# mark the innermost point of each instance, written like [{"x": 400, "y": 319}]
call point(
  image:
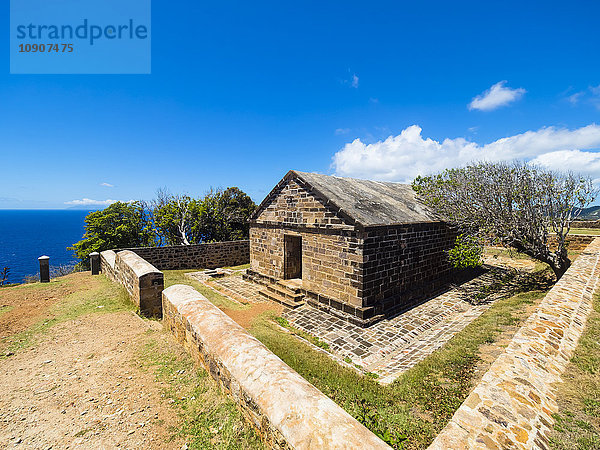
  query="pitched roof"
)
[{"x": 365, "y": 202}]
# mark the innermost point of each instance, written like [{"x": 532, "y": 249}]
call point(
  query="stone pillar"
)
[
  {"x": 44, "y": 269},
  {"x": 95, "y": 262}
]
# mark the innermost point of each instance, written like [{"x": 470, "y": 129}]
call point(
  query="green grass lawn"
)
[
  {"x": 586, "y": 231},
  {"x": 410, "y": 412},
  {"x": 578, "y": 420}
]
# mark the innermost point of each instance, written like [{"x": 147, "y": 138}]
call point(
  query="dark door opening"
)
[{"x": 292, "y": 246}]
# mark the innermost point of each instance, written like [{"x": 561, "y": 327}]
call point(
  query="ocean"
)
[{"x": 26, "y": 235}]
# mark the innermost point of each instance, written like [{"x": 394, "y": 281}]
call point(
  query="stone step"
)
[
  {"x": 294, "y": 286},
  {"x": 285, "y": 292},
  {"x": 265, "y": 292}
]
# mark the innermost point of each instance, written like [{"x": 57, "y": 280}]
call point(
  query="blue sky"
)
[{"x": 241, "y": 92}]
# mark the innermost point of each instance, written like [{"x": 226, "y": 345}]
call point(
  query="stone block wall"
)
[
  {"x": 107, "y": 264},
  {"x": 144, "y": 282},
  {"x": 585, "y": 224},
  {"x": 286, "y": 410},
  {"x": 331, "y": 259},
  {"x": 199, "y": 256},
  {"x": 575, "y": 242},
  {"x": 293, "y": 204},
  {"x": 403, "y": 263},
  {"x": 512, "y": 406}
]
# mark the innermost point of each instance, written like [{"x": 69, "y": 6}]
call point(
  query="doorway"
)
[{"x": 292, "y": 247}]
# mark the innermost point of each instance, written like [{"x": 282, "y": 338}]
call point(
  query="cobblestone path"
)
[{"x": 390, "y": 346}]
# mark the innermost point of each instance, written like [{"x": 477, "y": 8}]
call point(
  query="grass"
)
[
  {"x": 5, "y": 309},
  {"x": 178, "y": 277},
  {"x": 421, "y": 401},
  {"x": 410, "y": 412},
  {"x": 240, "y": 267},
  {"x": 586, "y": 231},
  {"x": 208, "y": 418},
  {"x": 578, "y": 419},
  {"x": 104, "y": 297}
]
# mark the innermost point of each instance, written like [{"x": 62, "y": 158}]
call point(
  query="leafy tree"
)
[
  {"x": 120, "y": 225},
  {"x": 515, "y": 204},
  {"x": 224, "y": 215},
  {"x": 219, "y": 216},
  {"x": 174, "y": 218}
]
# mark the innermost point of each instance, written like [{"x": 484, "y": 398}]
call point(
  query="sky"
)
[{"x": 242, "y": 92}]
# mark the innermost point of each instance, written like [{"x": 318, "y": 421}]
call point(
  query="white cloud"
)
[
  {"x": 354, "y": 81},
  {"x": 107, "y": 184},
  {"x": 403, "y": 157},
  {"x": 589, "y": 96},
  {"x": 89, "y": 201},
  {"x": 339, "y": 131},
  {"x": 574, "y": 98},
  {"x": 496, "y": 96}
]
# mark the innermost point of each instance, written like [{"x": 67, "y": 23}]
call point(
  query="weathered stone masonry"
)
[
  {"x": 207, "y": 256},
  {"x": 377, "y": 254},
  {"x": 144, "y": 282},
  {"x": 512, "y": 406},
  {"x": 287, "y": 411}
]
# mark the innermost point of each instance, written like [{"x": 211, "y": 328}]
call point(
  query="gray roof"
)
[{"x": 368, "y": 203}]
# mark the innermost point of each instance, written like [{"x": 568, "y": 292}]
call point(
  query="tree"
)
[
  {"x": 121, "y": 225},
  {"x": 218, "y": 216},
  {"x": 515, "y": 204},
  {"x": 174, "y": 217},
  {"x": 224, "y": 215}
]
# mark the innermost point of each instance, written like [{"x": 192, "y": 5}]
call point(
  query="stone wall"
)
[
  {"x": 575, "y": 242},
  {"x": 404, "y": 263},
  {"x": 107, "y": 264},
  {"x": 199, "y": 256},
  {"x": 286, "y": 410},
  {"x": 331, "y": 259},
  {"x": 143, "y": 282},
  {"x": 513, "y": 404},
  {"x": 585, "y": 224},
  {"x": 293, "y": 204}
]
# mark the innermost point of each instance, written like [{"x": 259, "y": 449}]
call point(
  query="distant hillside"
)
[{"x": 591, "y": 213}]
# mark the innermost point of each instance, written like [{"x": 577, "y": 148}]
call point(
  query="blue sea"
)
[{"x": 26, "y": 235}]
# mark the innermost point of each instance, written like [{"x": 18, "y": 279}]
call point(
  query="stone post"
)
[
  {"x": 95, "y": 262},
  {"x": 44, "y": 269}
]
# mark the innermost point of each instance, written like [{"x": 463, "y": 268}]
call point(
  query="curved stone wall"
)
[{"x": 287, "y": 411}]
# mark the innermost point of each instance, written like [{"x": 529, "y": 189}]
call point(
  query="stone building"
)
[{"x": 359, "y": 249}]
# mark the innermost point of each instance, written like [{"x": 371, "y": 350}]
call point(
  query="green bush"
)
[{"x": 467, "y": 252}]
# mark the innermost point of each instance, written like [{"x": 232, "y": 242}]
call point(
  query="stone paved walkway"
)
[
  {"x": 237, "y": 287},
  {"x": 390, "y": 346}
]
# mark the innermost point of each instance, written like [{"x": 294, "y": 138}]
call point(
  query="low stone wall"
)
[
  {"x": 287, "y": 411},
  {"x": 206, "y": 256},
  {"x": 585, "y": 224},
  {"x": 144, "y": 282},
  {"x": 107, "y": 264},
  {"x": 513, "y": 404},
  {"x": 575, "y": 242}
]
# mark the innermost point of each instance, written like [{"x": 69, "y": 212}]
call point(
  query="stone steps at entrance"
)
[{"x": 281, "y": 292}]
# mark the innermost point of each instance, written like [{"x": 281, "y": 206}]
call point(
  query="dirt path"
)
[{"x": 80, "y": 387}]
